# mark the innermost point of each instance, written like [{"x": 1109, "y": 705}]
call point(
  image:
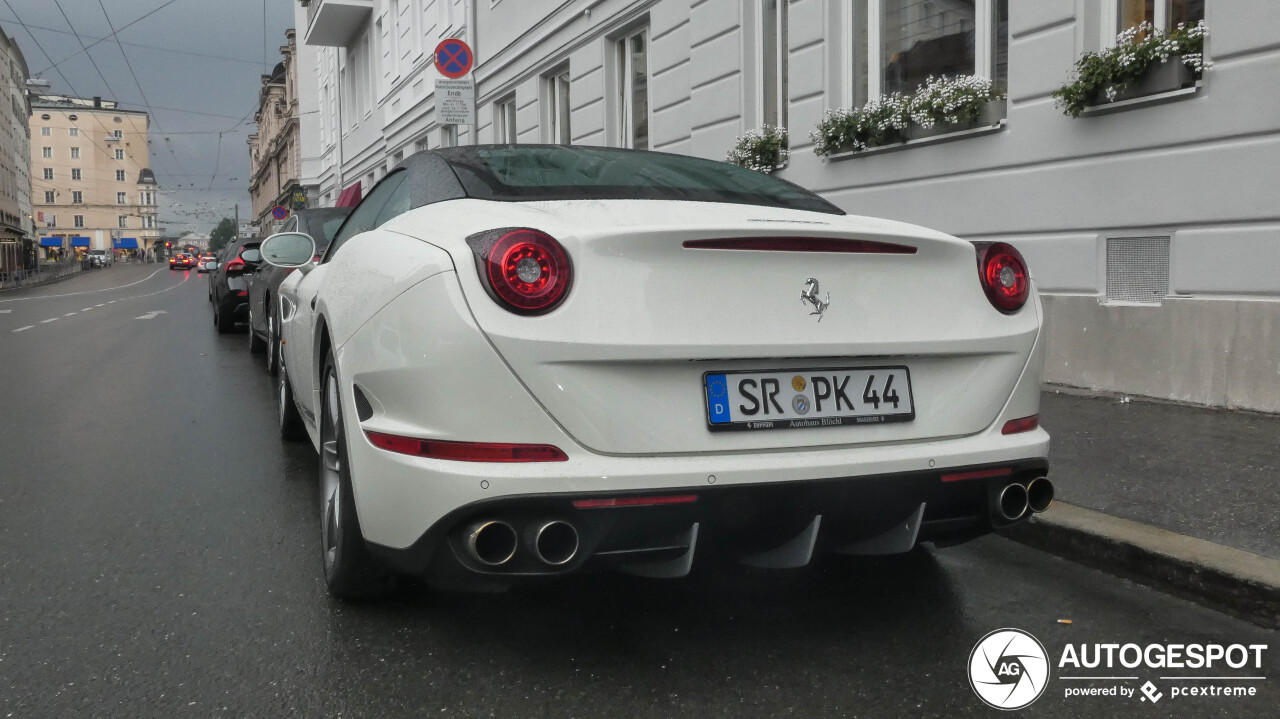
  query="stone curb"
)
[{"x": 1227, "y": 579}]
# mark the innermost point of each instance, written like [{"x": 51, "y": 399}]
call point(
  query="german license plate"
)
[{"x": 793, "y": 399}]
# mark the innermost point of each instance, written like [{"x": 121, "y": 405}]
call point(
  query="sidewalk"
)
[{"x": 1178, "y": 497}]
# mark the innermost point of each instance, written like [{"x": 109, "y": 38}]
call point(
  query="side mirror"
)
[{"x": 289, "y": 249}]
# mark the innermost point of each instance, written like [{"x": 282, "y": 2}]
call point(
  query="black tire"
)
[
  {"x": 349, "y": 571},
  {"x": 222, "y": 322},
  {"x": 256, "y": 343},
  {"x": 290, "y": 421},
  {"x": 273, "y": 340}
]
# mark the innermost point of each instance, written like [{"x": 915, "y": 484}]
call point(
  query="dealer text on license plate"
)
[{"x": 808, "y": 398}]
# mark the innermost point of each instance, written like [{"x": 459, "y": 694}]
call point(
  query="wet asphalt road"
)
[{"x": 159, "y": 557}]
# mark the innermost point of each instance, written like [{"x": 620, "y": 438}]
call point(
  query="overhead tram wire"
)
[
  {"x": 146, "y": 103},
  {"x": 96, "y": 40},
  {"x": 122, "y": 28},
  {"x": 110, "y": 89},
  {"x": 70, "y": 86}
]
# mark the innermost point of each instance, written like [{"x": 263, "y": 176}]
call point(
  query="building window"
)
[
  {"x": 557, "y": 94},
  {"x": 448, "y": 136},
  {"x": 48, "y": 173},
  {"x": 75, "y": 173},
  {"x": 899, "y": 44},
  {"x": 149, "y": 222},
  {"x": 50, "y": 197},
  {"x": 46, "y": 131},
  {"x": 633, "y": 87},
  {"x": 53, "y": 221},
  {"x": 73, "y": 132},
  {"x": 773, "y": 62},
  {"x": 504, "y": 121},
  {"x": 77, "y": 198},
  {"x": 46, "y": 152},
  {"x": 123, "y": 221},
  {"x": 119, "y": 134},
  {"x": 119, "y": 154},
  {"x": 121, "y": 198},
  {"x": 1162, "y": 14},
  {"x": 75, "y": 153},
  {"x": 77, "y": 220},
  {"x": 119, "y": 175}
]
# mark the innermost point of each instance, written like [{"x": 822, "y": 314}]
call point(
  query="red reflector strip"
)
[
  {"x": 1025, "y": 424},
  {"x": 467, "y": 451},
  {"x": 802, "y": 244},
  {"x": 634, "y": 501},
  {"x": 978, "y": 474}
]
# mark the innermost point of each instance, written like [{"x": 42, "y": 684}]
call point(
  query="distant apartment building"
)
[
  {"x": 91, "y": 179},
  {"x": 1149, "y": 223},
  {"x": 16, "y": 228},
  {"x": 275, "y": 157}
]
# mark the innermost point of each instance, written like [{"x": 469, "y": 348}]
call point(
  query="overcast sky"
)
[{"x": 190, "y": 56}]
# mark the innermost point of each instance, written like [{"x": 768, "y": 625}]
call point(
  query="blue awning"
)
[
  {"x": 51, "y": 242},
  {"x": 127, "y": 243},
  {"x": 79, "y": 241}
]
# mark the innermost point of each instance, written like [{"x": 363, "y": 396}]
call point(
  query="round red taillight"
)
[
  {"x": 526, "y": 270},
  {"x": 1004, "y": 276}
]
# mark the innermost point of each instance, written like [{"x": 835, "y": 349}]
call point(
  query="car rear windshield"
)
[{"x": 556, "y": 172}]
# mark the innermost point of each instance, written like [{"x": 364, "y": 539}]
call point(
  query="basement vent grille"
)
[{"x": 1137, "y": 269}]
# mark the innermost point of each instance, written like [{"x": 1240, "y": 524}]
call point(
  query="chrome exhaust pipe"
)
[
  {"x": 1013, "y": 502},
  {"x": 552, "y": 541},
  {"x": 1039, "y": 494},
  {"x": 491, "y": 542}
]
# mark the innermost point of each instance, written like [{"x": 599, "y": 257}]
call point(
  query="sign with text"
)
[{"x": 456, "y": 102}]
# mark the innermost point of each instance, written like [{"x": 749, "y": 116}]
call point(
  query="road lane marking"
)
[
  {"x": 51, "y": 319},
  {"x": 5, "y": 312},
  {"x": 151, "y": 315},
  {"x": 100, "y": 304},
  {"x": 86, "y": 309},
  {"x": 112, "y": 302},
  {"x": 69, "y": 314},
  {"x": 86, "y": 292},
  {"x": 23, "y": 329}
]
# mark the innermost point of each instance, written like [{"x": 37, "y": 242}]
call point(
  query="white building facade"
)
[{"x": 1150, "y": 225}]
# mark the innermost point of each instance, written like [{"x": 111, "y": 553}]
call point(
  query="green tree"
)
[{"x": 222, "y": 235}]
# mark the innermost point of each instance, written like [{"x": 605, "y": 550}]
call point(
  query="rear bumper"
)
[{"x": 770, "y": 524}]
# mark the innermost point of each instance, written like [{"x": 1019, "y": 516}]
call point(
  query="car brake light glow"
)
[
  {"x": 1023, "y": 424},
  {"x": 802, "y": 244},
  {"x": 527, "y": 271},
  {"x": 1004, "y": 275},
  {"x": 467, "y": 451},
  {"x": 978, "y": 474},
  {"x": 634, "y": 501},
  {"x": 236, "y": 265}
]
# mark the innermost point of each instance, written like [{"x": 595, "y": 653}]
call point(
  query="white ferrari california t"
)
[{"x": 521, "y": 361}]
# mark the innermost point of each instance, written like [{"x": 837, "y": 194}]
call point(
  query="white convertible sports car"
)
[{"x": 526, "y": 360}]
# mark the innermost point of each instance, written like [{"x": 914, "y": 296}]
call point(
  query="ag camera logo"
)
[{"x": 1008, "y": 669}]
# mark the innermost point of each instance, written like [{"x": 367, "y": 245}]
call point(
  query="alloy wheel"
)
[{"x": 331, "y": 461}]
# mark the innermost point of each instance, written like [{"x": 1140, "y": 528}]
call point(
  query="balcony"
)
[{"x": 332, "y": 23}]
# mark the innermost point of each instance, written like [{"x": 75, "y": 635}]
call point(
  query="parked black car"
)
[
  {"x": 229, "y": 284},
  {"x": 322, "y": 224}
]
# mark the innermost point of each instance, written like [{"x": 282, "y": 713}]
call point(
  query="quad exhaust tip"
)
[
  {"x": 1039, "y": 494},
  {"x": 491, "y": 542},
  {"x": 1013, "y": 502},
  {"x": 554, "y": 542}
]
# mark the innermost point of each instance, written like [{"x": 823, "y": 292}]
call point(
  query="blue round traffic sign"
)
[
  {"x": 279, "y": 212},
  {"x": 454, "y": 58}
]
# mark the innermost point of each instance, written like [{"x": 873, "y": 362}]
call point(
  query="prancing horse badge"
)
[{"x": 810, "y": 295}]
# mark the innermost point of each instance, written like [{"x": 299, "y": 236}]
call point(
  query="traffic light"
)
[{"x": 167, "y": 245}]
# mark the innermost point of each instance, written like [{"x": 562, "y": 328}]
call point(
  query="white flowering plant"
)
[
  {"x": 879, "y": 122},
  {"x": 951, "y": 100},
  {"x": 1138, "y": 49},
  {"x": 763, "y": 150}
]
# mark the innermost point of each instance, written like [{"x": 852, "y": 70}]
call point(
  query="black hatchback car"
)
[
  {"x": 322, "y": 224},
  {"x": 229, "y": 284}
]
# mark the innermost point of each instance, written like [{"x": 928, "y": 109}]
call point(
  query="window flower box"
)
[
  {"x": 1144, "y": 62},
  {"x": 989, "y": 114},
  {"x": 1167, "y": 76}
]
